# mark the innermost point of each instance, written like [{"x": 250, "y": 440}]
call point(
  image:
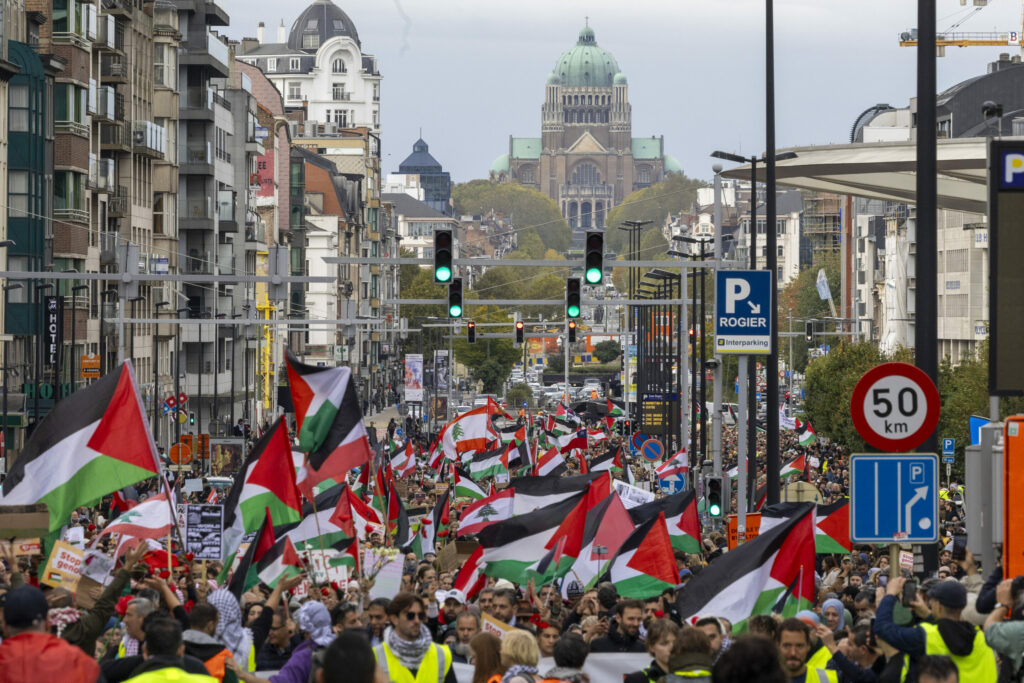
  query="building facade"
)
[
  {"x": 435, "y": 182},
  {"x": 586, "y": 158}
]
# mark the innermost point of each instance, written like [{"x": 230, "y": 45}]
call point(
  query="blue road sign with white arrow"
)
[
  {"x": 894, "y": 498},
  {"x": 743, "y": 312}
]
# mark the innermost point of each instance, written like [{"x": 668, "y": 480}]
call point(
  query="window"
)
[
  {"x": 293, "y": 64},
  {"x": 586, "y": 174},
  {"x": 69, "y": 105},
  {"x": 68, "y": 191},
  {"x": 526, "y": 174},
  {"x": 310, "y": 41},
  {"x": 17, "y": 188},
  {"x": 294, "y": 90},
  {"x": 376, "y": 118},
  {"x": 779, "y": 251},
  {"x": 376, "y": 92},
  {"x": 339, "y": 25},
  {"x": 311, "y": 25},
  {"x": 338, "y": 66},
  {"x": 643, "y": 175},
  {"x": 338, "y": 91},
  {"x": 19, "y": 108},
  {"x": 272, "y": 64}
]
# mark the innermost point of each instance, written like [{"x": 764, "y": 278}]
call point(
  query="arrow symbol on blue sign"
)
[
  {"x": 754, "y": 309},
  {"x": 920, "y": 493}
]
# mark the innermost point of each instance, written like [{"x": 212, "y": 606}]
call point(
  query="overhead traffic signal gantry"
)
[
  {"x": 455, "y": 298},
  {"x": 443, "y": 256},
  {"x": 572, "y": 297},
  {"x": 594, "y": 258}
]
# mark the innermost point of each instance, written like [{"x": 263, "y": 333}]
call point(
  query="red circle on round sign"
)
[{"x": 898, "y": 390}]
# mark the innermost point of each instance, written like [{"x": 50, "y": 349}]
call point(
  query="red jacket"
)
[{"x": 31, "y": 657}]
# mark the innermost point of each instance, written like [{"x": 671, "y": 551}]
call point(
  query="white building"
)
[
  {"x": 321, "y": 297},
  {"x": 414, "y": 222},
  {"x": 319, "y": 66},
  {"x": 788, "y": 212}
]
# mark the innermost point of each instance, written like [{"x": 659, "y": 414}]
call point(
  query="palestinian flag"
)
[
  {"x": 246, "y": 574},
  {"x": 329, "y": 420},
  {"x": 551, "y": 464},
  {"x": 610, "y": 460},
  {"x": 513, "y": 545},
  {"x": 471, "y": 579},
  {"x": 267, "y": 480},
  {"x": 488, "y": 464},
  {"x": 354, "y": 517},
  {"x": 569, "y": 535},
  {"x": 151, "y": 519},
  {"x": 831, "y": 527},
  {"x": 645, "y": 564},
  {"x": 680, "y": 510},
  {"x": 321, "y": 535},
  {"x": 486, "y": 511},
  {"x": 794, "y": 466},
  {"x": 773, "y": 572},
  {"x": 607, "y": 527},
  {"x": 807, "y": 435},
  {"x": 566, "y": 415},
  {"x": 614, "y": 410},
  {"x": 431, "y": 527},
  {"x": 273, "y": 565},
  {"x": 124, "y": 499},
  {"x": 465, "y": 487},
  {"x": 677, "y": 464},
  {"x": 533, "y": 493},
  {"x": 362, "y": 485},
  {"x": 92, "y": 443}
]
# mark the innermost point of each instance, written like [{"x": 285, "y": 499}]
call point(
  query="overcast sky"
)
[{"x": 472, "y": 72}]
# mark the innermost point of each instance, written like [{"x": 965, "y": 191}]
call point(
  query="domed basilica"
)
[{"x": 586, "y": 158}]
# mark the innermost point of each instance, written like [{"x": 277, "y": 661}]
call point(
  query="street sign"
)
[
  {"x": 948, "y": 449},
  {"x": 743, "y": 312},
  {"x": 652, "y": 450},
  {"x": 894, "y": 498},
  {"x": 637, "y": 441},
  {"x": 673, "y": 484},
  {"x": 895, "y": 407},
  {"x": 90, "y": 366}
]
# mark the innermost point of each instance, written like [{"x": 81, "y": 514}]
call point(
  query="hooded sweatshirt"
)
[{"x": 205, "y": 648}]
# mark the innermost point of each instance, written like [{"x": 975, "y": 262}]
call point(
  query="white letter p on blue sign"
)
[{"x": 736, "y": 289}]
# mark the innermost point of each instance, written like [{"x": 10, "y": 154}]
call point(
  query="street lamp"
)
[
  {"x": 8, "y": 243},
  {"x": 7, "y": 288}
]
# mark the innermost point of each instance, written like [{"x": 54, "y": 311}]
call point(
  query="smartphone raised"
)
[
  {"x": 909, "y": 593},
  {"x": 959, "y": 548}
]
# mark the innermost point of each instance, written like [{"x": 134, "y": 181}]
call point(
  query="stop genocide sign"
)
[{"x": 895, "y": 407}]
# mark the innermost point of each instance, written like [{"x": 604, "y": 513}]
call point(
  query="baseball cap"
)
[
  {"x": 453, "y": 594},
  {"x": 24, "y": 606},
  {"x": 949, "y": 594}
]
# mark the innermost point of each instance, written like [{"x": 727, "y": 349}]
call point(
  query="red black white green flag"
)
[
  {"x": 773, "y": 573},
  {"x": 681, "y": 516},
  {"x": 831, "y": 528},
  {"x": 645, "y": 564}
]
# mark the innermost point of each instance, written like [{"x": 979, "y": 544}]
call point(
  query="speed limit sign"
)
[{"x": 895, "y": 407}]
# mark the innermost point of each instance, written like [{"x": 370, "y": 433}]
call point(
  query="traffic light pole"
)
[
  {"x": 741, "y": 459},
  {"x": 565, "y": 364}
]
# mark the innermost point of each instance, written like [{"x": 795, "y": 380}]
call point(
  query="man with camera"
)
[
  {"x": 947, "y": 634},
  {"x": 1007, "y": 637}
]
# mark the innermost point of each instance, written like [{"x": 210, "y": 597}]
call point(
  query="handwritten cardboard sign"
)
[{"x": 64, "y": 567}]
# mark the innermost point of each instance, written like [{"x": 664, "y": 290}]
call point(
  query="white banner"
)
[
  {"x": 632, "y": 496},
  {"x": 414, "y": 377}
]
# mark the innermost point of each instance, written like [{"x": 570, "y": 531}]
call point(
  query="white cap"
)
[{"x": 452, "y": 594}]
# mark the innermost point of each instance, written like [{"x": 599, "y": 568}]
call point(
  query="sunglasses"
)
[{"x": 415, "y": 616}]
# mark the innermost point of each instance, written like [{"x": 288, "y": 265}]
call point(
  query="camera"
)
[{"x": 712, "y": 363}]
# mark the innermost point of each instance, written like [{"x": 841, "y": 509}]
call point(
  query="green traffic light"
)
[
  {"x": 574, "y": 311},
  {"x": 593, "y": 276},
  {"x": 454, "y": 311},
  {"x": 714, "y": 510},
  {"x": 442, "y": 274}
]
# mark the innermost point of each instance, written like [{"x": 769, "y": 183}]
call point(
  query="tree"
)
[
  {"x": 556, "y": 363},
  {"x": 526, "y": 207},
  {"x": 607, "y": 351},
  {"x": 674, "y": 194},
  {"x": 519, "y": 394},
  {"x": 492, "y": 374},
  {"x": 529, "y": 246}
]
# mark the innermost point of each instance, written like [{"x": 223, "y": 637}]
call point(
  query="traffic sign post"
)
[
  {"x": 652, "y": 450},
  {"x": 672, "y": 485},
  {"x": 895, "y": 407},
  {"x": 948, "y": 450},
  {"x": 894, "y": 498},
  {"x": 743, "y": 312}
]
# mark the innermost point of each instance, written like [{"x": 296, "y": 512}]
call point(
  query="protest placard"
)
[
  {"x": 64, "y": 567},
  {"x": 204, "y": 531}
]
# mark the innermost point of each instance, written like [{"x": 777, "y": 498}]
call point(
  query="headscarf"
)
[
  {"x": 229, "y": 625},
  {"x": 314, "y": 619},
  {"x": 838, "y": 607}
]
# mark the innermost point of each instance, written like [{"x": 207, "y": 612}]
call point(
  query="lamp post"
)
[
  {"x": 103, "y": 336},
  {"x": 39, "y": 351},
  {"x": 156, "y": 375},
  {"x": 7, "y": 288},
  {"x": 74, "y": 337},
  {"x": 234, "y": 356},
  {"x": 177, "y": 377}
]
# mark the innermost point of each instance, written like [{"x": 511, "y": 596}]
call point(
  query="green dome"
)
[
  {"x": 553, "y": 79},
  {"x": 586, "y": 64},
  {"x": 672, "y": 165},
  {"x": 500, "y": 164},
  {"x": 619, "y": 79}
]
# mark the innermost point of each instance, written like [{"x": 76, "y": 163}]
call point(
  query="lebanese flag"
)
[
  {"x": 772, "y": 573},
  {"x": 831, "y": 524},
  {"x": 610, "y": 460},
  {"x": 267, "y": 480},
  {"x": 329, "y": 421},
  {"x": 677, "y": 464},
  {"x": 213, "y": 497},
  {"x": 680, "y": 510},
  {"x": 551, "y": 464},
  {"x": 465, "y": 487},
  {"x": 645, "y": 564},
  {"x": 481, "y": 514},
  {"x": 151, "y": 519},
  {"x": 471, "y": 579},
  {"x": 93, "y": 442},
  {"x": 469, "y": 432}
]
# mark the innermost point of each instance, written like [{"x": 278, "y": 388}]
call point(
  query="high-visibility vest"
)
[
  {"x": 821, "y": 675},
  {"x": 978, "y": 667},
  {"x": 171, "y": 675},
  {"x": 433, "y": 667},
  {"x": 820, "y": 658}
]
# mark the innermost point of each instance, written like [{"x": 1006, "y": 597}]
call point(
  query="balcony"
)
[
  {"x": 341, "y": 96},
  {"x": 198, "y": 104},
  {"x": 109, "y": 34},
  {"x": 215, "y": 14},
  {"x": 205, "y": 49},
  {"x": 148, "y": 138},
  {"x": 72, "y": 127},
  {"x": 120, "y": 8},
  {"x": 200, "y": 262},
  {"x": 195, "y": 213},
  {"x": 117, "y": 203},
  {"x": 106, "y": 104},
  {"x": 226, "y": 211},
  {"x": 217, "y": 99},
  {"x": 113, "y": 69},
  {"x": 75, "y": 214},
  {"x": 222, "y": 379},
  {"x": 255, "y": 230},
  {"x": 115, "y": 137},
  {"x": 196, "y": 158},
  {"x": 101, "y": 174},
  {"x": 603, "y": 192}
]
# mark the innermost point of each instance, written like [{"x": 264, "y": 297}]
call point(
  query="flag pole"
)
[
  {"x": 316, "y": 518},
  {"x": 174, "y": 513}
]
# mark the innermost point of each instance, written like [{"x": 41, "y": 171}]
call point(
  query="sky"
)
[{"x": 469, "y": 73}]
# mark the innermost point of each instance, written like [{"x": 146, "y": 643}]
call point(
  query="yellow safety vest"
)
[
  {"x": 818, "y": 675},
  {"x": 820, "y": 658},
  {"x": 695, "y": 673},
  {"x": 977, "y": 667},
  {"x": 171, "y": 675},
  {"x": 433, "y": 667}
]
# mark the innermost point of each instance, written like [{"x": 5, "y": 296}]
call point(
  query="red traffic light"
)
[{"x": 519, "y": 324}]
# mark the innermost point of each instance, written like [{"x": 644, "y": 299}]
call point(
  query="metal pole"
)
[
  {"x": 449, "y": 413},
  {"x": 177, "y": 380},
  {"x": 565, "y": 364},
  {"x": 704, "y": 423},
  {"x": 751, "y": 400},
  {"x": 741, "y": 460},
  {"x": 3, "y": 435},
  {"x": 772, "y": 464},
  {"x": 925, "y": 296},
  {"x": 716, "y": 415},
  {"x": 695, "y": 436},
  {"x": 154, "y": 356},
  {"x": 684, "y": 383},
  {"x": 120, "y": 330}
]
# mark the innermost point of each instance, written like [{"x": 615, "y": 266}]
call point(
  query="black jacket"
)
[
  {"x": 118, "y": 670},
  {"x": 651, "y": 673},
  {"x": 617, "y": 641}
]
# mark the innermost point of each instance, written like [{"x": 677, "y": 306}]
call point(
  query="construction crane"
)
[{"x": 953, "y": 38}]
